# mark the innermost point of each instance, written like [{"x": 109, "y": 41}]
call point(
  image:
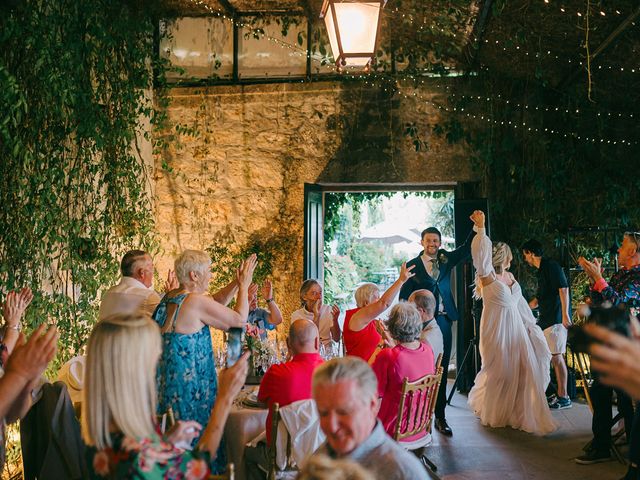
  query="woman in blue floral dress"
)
[
  {"x": 186, "y": 374},
  {"x": 119, "y": 402}
]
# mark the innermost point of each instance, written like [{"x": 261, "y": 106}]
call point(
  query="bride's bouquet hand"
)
[{"x": 477, "y": 217}]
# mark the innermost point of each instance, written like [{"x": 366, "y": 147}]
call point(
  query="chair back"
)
[
  {"x": 272, "y": 447},
  {"x": 166, "y": 420},
  {"x": 417, "y": 404},
  {"x": 581, "y": 363}
]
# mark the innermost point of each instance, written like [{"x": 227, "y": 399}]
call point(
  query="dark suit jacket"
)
[
  {"x": 52, "y": 447},
  {"x": 440, "y": 287}
]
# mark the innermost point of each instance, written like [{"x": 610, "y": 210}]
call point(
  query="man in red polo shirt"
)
[{"x": 286, "y": 383}]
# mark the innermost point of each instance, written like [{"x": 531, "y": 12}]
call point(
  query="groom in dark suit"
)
[{"x": 432, "y": 270}]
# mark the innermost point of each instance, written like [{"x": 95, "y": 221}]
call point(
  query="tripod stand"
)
[{"x": 472, "y": 348}]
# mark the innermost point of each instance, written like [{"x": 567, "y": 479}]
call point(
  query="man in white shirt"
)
[
  {"x": 425, "y": 302},
  {"x": 134, "y": 293}
]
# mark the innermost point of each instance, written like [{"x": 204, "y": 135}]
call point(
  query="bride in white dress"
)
[{"x": 510, "y": 388}]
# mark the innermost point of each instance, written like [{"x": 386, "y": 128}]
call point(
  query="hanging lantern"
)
[{"x": 353, "y": 30}]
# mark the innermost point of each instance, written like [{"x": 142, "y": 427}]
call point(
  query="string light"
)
[
  {"x": 456, "y": 110},
  {"x": 303, "y": 53},
  {"x": 563, "y": 9},
  {"x": 548, "y": 53},
  {"x": 505, "y": 48},
  {"x": 513, "y": 123}
]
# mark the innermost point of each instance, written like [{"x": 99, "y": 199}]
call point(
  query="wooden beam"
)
[
  {"x": 306, "y": 6},
  {"x": 610, "y": 40},
  {"x": 228, "y": 7},
  {"x": 477, "y": 34}
]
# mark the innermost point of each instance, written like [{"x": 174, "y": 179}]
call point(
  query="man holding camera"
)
[{"x": 623, "y": 287}]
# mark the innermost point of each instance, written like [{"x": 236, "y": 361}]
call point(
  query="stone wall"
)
[{"x": 241, "y": 170}]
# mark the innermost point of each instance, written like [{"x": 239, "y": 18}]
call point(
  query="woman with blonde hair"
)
[
  {"x": 364, "y": 336},
  {"x": 186, "y": 371},
  {"x": 119, "y": 404},
  {"x": 509, "y": 389}
]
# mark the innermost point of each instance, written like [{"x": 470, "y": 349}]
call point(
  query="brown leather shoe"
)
[{"x": 443, "y": 427}]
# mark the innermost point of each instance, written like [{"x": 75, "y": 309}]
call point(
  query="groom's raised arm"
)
[{"x": 463, "y": 252}]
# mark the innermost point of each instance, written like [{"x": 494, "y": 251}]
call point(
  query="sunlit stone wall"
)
[{"x": 241, "y": 166}]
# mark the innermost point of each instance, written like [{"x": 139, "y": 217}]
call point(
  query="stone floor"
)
[{"x": 476, "y": 452}]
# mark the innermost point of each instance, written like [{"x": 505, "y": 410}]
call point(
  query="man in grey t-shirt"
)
[{"x": 346, "y": 394}]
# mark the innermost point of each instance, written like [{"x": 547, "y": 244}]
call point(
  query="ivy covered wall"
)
[{"x": 75, "y": 107}]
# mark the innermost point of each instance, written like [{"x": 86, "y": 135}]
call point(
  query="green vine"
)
[{"x": 75, "y": 77}]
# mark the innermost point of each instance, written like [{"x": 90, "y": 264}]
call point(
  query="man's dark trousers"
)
[{"x": 601, "y": 398}]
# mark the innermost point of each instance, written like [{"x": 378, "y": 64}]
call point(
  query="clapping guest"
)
[
  {"x": 263, "y": 319},
  {"x": 13, "y": 309},
  {"x": 186, "y": 371},
  {"x": 362, "y": 337},
  {"x": 20, "y": 375},
  {"x": 324, "y": 316},
  {"x": 410, "y": 358},
  {"x": 622, "y": 287},
  {"x": 134, "y": 293},
  {"x": 120, "y": 402}
]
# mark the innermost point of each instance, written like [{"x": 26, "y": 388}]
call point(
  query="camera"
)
[{"x": 616, "y": 319}]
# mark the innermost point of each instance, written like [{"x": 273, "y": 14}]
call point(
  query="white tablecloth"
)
[{"x": 243, "y": 425}]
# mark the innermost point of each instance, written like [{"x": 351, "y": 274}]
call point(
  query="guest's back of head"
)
[
  {"x": 322, "y": 467},
  {"x": 347, "y": 369},
  {"x": 424, "y": 300},
  {"x": 129, "y": 261},
  {"x": 404, "y": 322},
  {"x": 534, "y": 246},
  {"x": 120, "y": 389},
  {"x": 303, "y": 336},
  {"x": 189, "y": 261},
  {"x": 367, "y": 294}
]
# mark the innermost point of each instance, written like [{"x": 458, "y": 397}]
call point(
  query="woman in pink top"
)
[
  {"x": 361, "y": 329},
  {"x": 409, "y": 358}
]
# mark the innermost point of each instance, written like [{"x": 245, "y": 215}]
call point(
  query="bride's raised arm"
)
[{"x": 481, "y": 250}]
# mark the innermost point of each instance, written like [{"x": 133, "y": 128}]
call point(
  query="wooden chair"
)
[
  {"x": 274, "y": 471},
  {"x": 166, "y": 420},
  {"x": 582, "y": 363},
  {"x": 230, "y": 474},
  {"x": 415, "y": 413}
]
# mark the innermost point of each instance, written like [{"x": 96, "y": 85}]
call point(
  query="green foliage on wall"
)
[
  {"x": 272, "y": 249},
  {"x": 75, "y": 77}
]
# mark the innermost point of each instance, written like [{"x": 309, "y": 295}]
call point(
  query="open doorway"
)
[
  {"x": 359, "y": 233},
  {"x": 367, "y": 236}
]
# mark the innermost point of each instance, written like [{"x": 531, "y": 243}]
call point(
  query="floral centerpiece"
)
[{"x": 263, "y": 354}]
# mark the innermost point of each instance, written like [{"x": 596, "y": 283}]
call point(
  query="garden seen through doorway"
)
[{"x": 369, "y": 234}]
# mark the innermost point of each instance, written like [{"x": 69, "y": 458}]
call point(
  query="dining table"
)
[{"x": 246, "y": 421}]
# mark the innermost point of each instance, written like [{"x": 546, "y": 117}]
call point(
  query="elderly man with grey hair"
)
[
  {"x": 425, "y": 302},
  {"x": 346, "y": 394},
  {"x": 134, "y": 293}
]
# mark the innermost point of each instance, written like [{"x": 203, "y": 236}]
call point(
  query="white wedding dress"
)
[{"x": 510, "y": 388}]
